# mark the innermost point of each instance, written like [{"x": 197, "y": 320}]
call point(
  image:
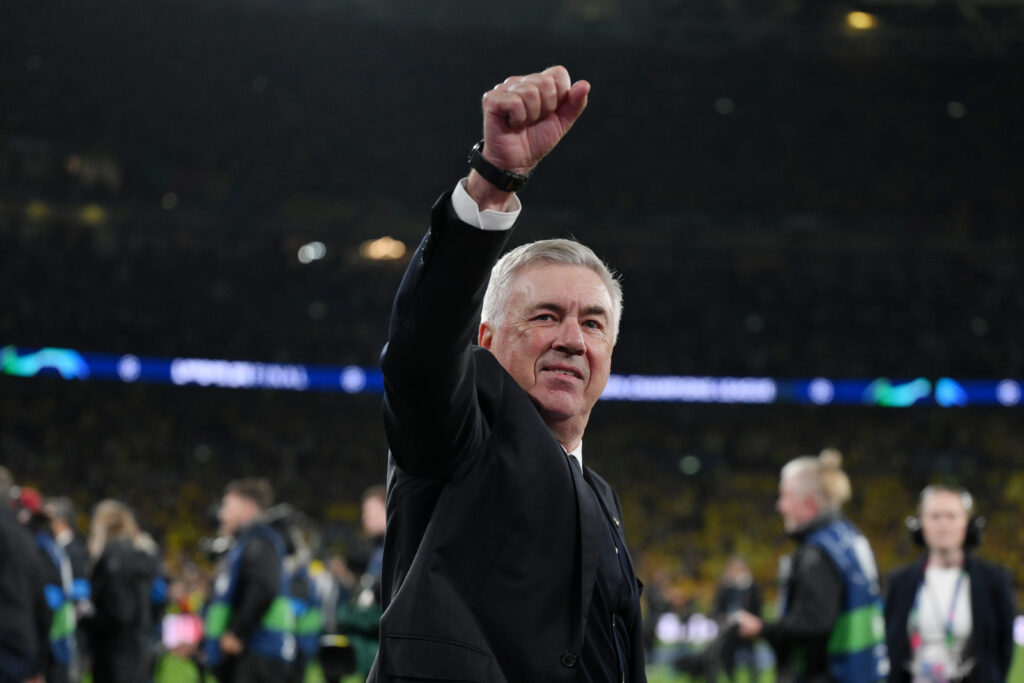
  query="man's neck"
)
[
  {"x": 567, "y": 433},
  {"x": 570, "y": 444}
]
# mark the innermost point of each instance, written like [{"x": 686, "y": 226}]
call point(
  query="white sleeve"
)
[{"x": 468, "y": 212}]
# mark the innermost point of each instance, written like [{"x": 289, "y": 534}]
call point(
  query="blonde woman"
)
[
  {"x": 831, "y": 626},
  {"x": 124, "y": 565}
]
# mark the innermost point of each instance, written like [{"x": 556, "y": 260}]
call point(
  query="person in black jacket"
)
[
  {"x": 949, "y": 615},
  {"x": 505, "y": 557},
  {"x": 830, "y": 628},
  {"x": 58, "y": 655},
  {"x": 125, "y": 564},
  {"x": 736, "y": 592},
  {"x": 240, "y": 645},
  {"x": 25, "y": 617}
]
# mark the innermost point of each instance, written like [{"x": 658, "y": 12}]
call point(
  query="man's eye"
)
[
  {"x": 544, "y": 317},
  {"x": 592, "y": 324}
]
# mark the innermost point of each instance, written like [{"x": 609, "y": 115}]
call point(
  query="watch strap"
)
[{"x": 506, "y": 181}]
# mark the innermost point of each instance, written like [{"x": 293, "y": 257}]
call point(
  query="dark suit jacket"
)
[
  {"x": 490, "y": 554},
  {"x": 992, "y": 611}
]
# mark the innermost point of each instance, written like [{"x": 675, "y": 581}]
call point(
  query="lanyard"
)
[{"x": 915, "y": 614}]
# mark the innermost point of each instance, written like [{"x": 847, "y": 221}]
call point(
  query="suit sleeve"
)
[
  {"x": 814, "y": 605},
  {"x": 431, "y": 414}
]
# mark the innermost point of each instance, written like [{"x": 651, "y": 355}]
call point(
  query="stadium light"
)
[
  {"x": 92, "y": 214},
  {"x": 314, "y": 251},
  {"x": 861, "y": 21},
  {"x": 382, "y": 249}
]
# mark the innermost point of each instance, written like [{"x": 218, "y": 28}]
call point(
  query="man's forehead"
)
[{"x": 547, "y": 280}]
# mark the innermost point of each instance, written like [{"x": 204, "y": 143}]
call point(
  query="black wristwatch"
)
[{"x": 506, "y": 181}]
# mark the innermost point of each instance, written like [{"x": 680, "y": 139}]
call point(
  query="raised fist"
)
[{"x": 526, "y": 116}]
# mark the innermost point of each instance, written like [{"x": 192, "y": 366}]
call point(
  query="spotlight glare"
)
[
  {"x": 382, "y": 249},
  {"x": 861, "y": 21},
  {"x": 314, "y": 251},
  {"x": 92, "y": 214}
]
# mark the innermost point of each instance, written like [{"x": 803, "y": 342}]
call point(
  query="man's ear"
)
[{"x": 486, "y": 336}]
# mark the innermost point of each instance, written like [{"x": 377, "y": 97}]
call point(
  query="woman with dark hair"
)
[
  {"x": 124, "y": 566},
  {"x": 949, "y": 616}
]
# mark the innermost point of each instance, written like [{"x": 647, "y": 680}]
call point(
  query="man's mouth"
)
[{"x": 568, "y": 372}]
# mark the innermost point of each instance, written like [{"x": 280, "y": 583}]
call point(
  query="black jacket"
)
[
  {"x": 259, "y": 583},
  {"x": 992, "y": 612},
  {"x": 815, "y": 595},
  {"x": 26, "y": 619},
  {"x": 489, "y": 560},
  {"x": 120, "y": 630}
]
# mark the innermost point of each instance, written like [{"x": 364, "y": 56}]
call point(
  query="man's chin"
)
[{"x": 557, "y": 408}]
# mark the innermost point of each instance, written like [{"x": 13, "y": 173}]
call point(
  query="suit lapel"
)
[
  {"x": 590, "y": 519},
  {"x": 611, "y": 512}
]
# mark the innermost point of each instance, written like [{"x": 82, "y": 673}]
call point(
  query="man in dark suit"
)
[
  {"x": 504, "y": 559},
  {"x": 949, "y": 615}
]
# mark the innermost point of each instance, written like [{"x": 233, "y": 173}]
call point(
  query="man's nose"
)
[{"x": 570, "y": 337}]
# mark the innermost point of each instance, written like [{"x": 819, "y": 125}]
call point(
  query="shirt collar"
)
[{"x": 578, "y": 454}]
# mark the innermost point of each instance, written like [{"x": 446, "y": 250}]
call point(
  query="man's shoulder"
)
[{"x": 260, "y": 540}]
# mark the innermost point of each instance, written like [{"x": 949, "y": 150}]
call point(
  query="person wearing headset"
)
[{"x": 949, "y": 615}]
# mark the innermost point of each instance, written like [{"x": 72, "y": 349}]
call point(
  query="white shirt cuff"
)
[{"x": 468, "y": 212}]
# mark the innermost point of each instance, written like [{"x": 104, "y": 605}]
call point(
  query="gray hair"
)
[
  {"x": 563, "y": 251},
  {"x": 61, "y": 508}
]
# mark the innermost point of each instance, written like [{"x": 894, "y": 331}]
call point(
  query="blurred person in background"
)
[
  {"x": 303, "y": 590},
  {"x": 23, "y": 613},
  {"x": 249, "y": 629},
  {"x": 949, "y": 615},
  {"x": 831, "y": 626},
  {"x": 125, "y": 563},
  {"x": 359, "y": 617},
  {"x": 61, "y": 512},
  {"x": 60, "y": 660},
  {"x": 375, "y": 522},
  {"x": 737, "y": 592},
  {"x": 62, "y": 520}
]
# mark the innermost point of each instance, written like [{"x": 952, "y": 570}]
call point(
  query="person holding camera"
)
[{"x": 949, "y": 615}]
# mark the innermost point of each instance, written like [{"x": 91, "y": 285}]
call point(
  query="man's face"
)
[
  {"x": 556, "y": 340},
  {"x": 795, "y": 505},
  {"x": 375, "y": 518},
  {"x": 235, "y": 512},
  {"x": 944, "y": 521}
]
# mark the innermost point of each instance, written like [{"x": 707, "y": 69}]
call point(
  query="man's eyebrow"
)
[
  {"x": 548, "y": 306},
  {"x": 593, "y": 309}
]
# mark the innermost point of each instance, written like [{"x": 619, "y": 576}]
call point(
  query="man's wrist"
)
[
  {"x": 487, "y": 196},
  {"x": 502, "y": 178},
  {"x": 469, "y": 211}
]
